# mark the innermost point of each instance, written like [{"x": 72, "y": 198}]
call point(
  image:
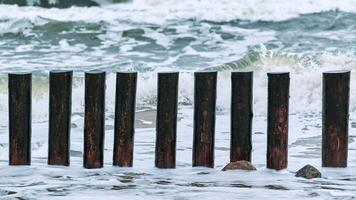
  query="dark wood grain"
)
[
  {"x": 277, "y": 120},
  {"x": 336, "y": 97},
  {"x": 94, "y": 120},
  {"x": 241, "y": 116},
  {"x": 60, "y": 108},
  {"x": 20, "y": 118},
  {"x": 204, "y": 118},
  {"x": 166, "y": 125},
  {"x": 124, "y": 119}
]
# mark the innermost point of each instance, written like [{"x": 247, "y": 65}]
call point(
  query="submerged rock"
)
[
  {"x": 242, "y": 165},
  {"x": 308, "y": 172}
]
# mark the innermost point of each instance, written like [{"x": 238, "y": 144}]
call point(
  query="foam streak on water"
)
[{"x": 305, "y": 38}]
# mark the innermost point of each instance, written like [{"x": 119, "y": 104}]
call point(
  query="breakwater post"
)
[
  {"x": 241, "y": 116},
  {"x": 204, "y": 118},
  {"x": 166, "y": 127},
  {"x": 94, "y": 119},
  {"x": 60, "y": 110},
  {"x": 124, "y": 127},
  {"x": 277, "y": 120},
  {"x": 335, "y": 114},
  {"x": 20, "y": 118}
]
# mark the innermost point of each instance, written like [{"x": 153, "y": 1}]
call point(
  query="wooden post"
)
[
  {"x": 166, "y": 125},
  {"x": 241, "y": 116},
  {"x": 336, "y": 95},
  {"x": 124, "y": 119},
  {"x": 20, "y": 118},
  {"x": 60, "y": 107},
  {"x": 94, "y": 120},
  {"x": 277, "y": 120},
  {"x": 204, "y": 118}
]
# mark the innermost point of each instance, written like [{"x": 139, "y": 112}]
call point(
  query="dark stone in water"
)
[
  {"x": 308, "y": 172},
  {"x": 242, "y": 165}
]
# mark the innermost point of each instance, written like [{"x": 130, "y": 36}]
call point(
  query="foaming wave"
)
[
  {"x": 305, "y": 72},
  {"x": 15, "y": 26},
  {"x": 305, "y": 94},
  {"x": 161, "y": 11}
]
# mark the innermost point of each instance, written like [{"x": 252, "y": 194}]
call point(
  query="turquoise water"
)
[{"x": 44, "y": 42}]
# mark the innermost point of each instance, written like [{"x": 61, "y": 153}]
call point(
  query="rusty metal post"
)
[
  {"x": 60, "y": 108},
  {"x": 94, "y": 120},
  {"x": 336, "y": 97},
  {"x": 20, "y": 118},
  {"x": 166, "y": 126},
  {"x": 241, "y": 116},
  {"x": 204, "y": 118},
  {"x": 277, "y": 120},
  {"x": 124, "y": 118}
]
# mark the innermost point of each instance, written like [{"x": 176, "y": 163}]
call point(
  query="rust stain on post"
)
[
  {"x": 60, "y": 107},
  {"x": 94, "y": 120},
  {"x": 241, "y": 116},
  {"x": 124, "y": 119},
  {"x": 277, "y": 120},
  {"x": 166, "y": 125},
  {"x": 204, "y": 118}
]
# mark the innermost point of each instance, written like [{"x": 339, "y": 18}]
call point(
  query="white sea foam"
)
[
  {"x": 161, "y": 11},
  {"x": 305, "y": 88}
]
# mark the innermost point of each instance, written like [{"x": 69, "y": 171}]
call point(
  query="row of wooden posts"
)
[{"x": 334, "y": 117}]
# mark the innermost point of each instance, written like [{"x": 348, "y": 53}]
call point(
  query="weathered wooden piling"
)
[
  {"x": 166, "y": 125},
  {"x": 335, "y": 114},
  {"x": 277, "y": 120},
  {"x": 241, "y": 116},
  {"x": 94, "y": 120},
  {"x": 124, "y": 118},
  {"x": 20, "y": 118},
  {"x": 204, "y": 118},
  {"x": 60, "y": 107}
]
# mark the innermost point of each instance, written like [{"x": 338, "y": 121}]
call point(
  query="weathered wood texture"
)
[
  {"x": 60, "y": 109},
  {"x": 336, "y": 97},
  {"x": 94, "y": 120},
  {"x": 241, "y": 116},
  {"x": 124, "y": 119},
  {"x": 166, "y": 125},
  {"x": 204, "y": 118},
  {"x": 277, "y": 120},
  {"x": 20, "y": 118}
]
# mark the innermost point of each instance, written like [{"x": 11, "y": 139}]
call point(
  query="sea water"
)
[{"x": 305, "y": 38}]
